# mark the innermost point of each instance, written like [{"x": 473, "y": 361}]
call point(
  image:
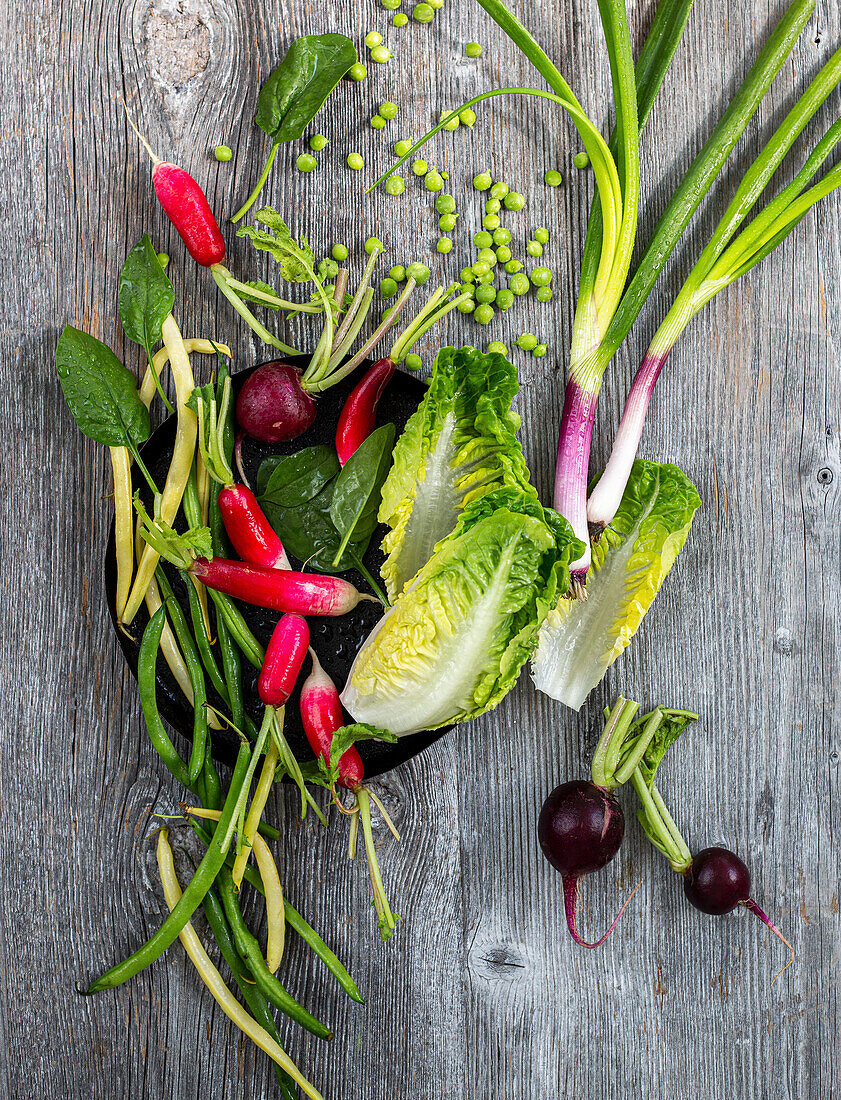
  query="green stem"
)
[
  {"x": 659, "y": 826},
  {"x": 386, "y": 921},
  {"x": 375, "y": 588},
  {"x": 635, "y": 751},
  {"x": 220, "y": 277},
  {"x": 610, "y": 743},
  {"x": 258, "y": 187}
]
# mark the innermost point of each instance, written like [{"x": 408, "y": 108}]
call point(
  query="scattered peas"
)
[
  {"x": 222, "y": 152},
  {"x": 502, "y": 235},
  {"x": 519, "y": 283},
  {"x": 391, "y": 5},
  {"x": 544, "y": 294},
  {"x": 306, "y": 162},
  {"x": 482, "y": 181},
  {"x": 355, "y": 161},
  {"x": 388, "y": 287},
  {"x": 377, "y": 121},
  {"x": 468, "y": 288},
  {"x": 395, "y": 185},
  {"x": 466, "y": 275},
  {"x": 496, "y": 347},
  {"x": 163, "y": 259},
  {"x": 374, "y": 244},
  {"x": 381, "y": 54},
  {"x": 412, "y": 362},
  {"x": 420, "y": 167},
  {"x": 357, "y": 71},
  {"x": 400, "y": 19},
  {"x": 486, "y": 256},
  {"x": 499, "y": 190},
  {"x": 419, "y": 272},
  {"x": 492, "y": 206},
  {"x": 467, "y": 306},
  {"x": 485, "y": 294},
  {"x": 484, "y": 314},
  {"x": 452, "y": 124},
  {"x": 423, "y": 13},
  {"x": 485, "y": 279},
  {"x": 512, "y": 267},
  {"x": 503, "y": 254},
  {"x": 540, "y": 351},
  {"x": 483, "y": 239},
  {"x": 401, "y": 148},
  {"x": 444, "y": 244},
  {"x": 373, "y": 38},
  {"x": 434, "y": 181},
  {"x": 445, "y": 204},
  {"x": 552, "y": 178},
  {"x": 541, "y": 276},
  {"x": 318, "y": 142},
  {"x": 534, "y": 248},
  {"x": 514, "y": 201},
  {"x": 447, "y": 223},
  {"x": 388, "y": 109},
  {"x": 542, "y": 235},
  {"x": 339, "y": 252},
  {"x": 526, "y": 341},
  {"x": 504, "y": 299},
  {"x": 473, "y": 49},
  {"x": 435, "y": 4},
  {"x": 491, "y": 221},
  {"x": 481, "y": 268},
  {"x": 398, "y": 273},
  {"x": 467, "y": 117},
  {"x": 581, "y": 160},
  {"x": 328, "y": 269}
]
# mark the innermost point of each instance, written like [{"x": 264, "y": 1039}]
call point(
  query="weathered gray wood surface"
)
[{"x": 481, "y": 994}]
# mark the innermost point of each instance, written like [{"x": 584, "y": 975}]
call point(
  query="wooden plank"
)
[{"x": 480, "y": 993}]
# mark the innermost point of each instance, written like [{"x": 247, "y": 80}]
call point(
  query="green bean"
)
[
  {"x": 210, "y": 866},
  {"x": 254, "y": 999},
  {"x": 194, "y": 669},
  {"x": 147, "y": 684},
  {"x": 203, "y": 641},
  {"x": 212, "y": 797},
  {"x": 249, "y": 951},
  {"x": 240, "y": 631}
]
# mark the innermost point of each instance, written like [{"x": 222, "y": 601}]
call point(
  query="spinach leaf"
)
[
  {"x": 100, "y": 392},
  {"x": 289, "y": 482},
  {"x": 356, "y": 497},
  {"x": 295, "y": 92},
  {"x": 308, "y": 534},
  {"x": 146, "y": 296}
]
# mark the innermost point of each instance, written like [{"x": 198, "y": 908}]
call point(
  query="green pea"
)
[
  {"x": 496, "y": 347},
  {"x": 526, "y": 341},
  {"x": 445, "y": 204},
  {"x": 467, "y": 288},
  {"x": 306, "y": 162},
  {"x": 395, "y": 185},
  {"x": 483, "y": 239},
  {"x": 466, "y": 275},
  {"x": 493, "y": 206},
  {"x": 541, "y": 276},
  {"x": 539, "y": 351},
  {"x": 552, "y": 178},
  {"x": 373, "y": 38},
  {"x": 398, "y": 273},
  {"x": 502, "y": 236},
  {"x": 512, "y": 267},
  {"x": 388, "y": 287},
  {"x": 222, "y": 153},
  {"x": 481, "y": 268},
  {"x": 444, "y": 244},
  {"x": 419, "y": 272},
  {"x": 339, "y": 252},
  {"x": 423, "y": 13},
  {"x": 163, "y": 259},
  {"x": 473, "y": 49},
  {"x": 435, "y": 4},
  {"x": 514, "y": 201},
  {"x": 357, "y": 71},
  {"x": 581, "y": 160},
  {"x": 544, "y": 294},
  {"x": 484, "y": 314},
  {"x": 519, "y": 284},
  {"x": 381, "y": 54},
  {"x": 434, "y": 181},
  {"x": 355, "y": 161},
  {"x": 504, "y": 299},
  {"x": 388, "y": 109},
  {"x": 534, "y": 248},
  {"x": 485, "y": 294},
  {"x": 542, "y": 235},
  {"x": 503, "y": 253},
  {"x": 499, "y": 190},
  {"x": 447, "y": 223},
  {"x": 420, "y": 167},
  {"x": 318, "y": 142},
  {"x": 482, "y": 181},
  {"x": 377, "y": 122},
  {"x": 401, "y": 148},
  {"x": 483, "y": 280},
  {"x": 467, "y": 117},
  {"x": 486, "y": 256},
  {"x": 413, "y": 362},
  {"x": 491, "y": 221},
  {"x": 400, "y": 19},
  {"x": 452, "y": 124},
  {"x": 374, "y": 244},
  {"x": 328, "y": 269},
  {"x": 391, "y": 5},
  {"x": 467, "y": 306}
]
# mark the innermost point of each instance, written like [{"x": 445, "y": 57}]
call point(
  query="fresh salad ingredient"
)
[
  {"x": 359, "y": 412},
  {"x": 322, "y": 715},
  {"x": 278, "y": 589},
  {"x": 251, "y": 534},
  {"x": 272, "y": 405},
  {"x": 284, "y": 659}
]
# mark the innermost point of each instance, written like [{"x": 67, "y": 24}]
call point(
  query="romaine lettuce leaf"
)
[
  {"x": 454, "y": 642},
  {"x": 459, "y": 444},
  {"x": 582, "y": 638}
]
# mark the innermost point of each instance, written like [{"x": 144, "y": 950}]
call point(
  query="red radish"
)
[
  {"x": 359, "y": 414},
  {"x": 322, "y": 715},
  {"x": 279, "y": 589},
  {"x": 251, "y": 534},
  {"x": 284, "y": 657},
  {"x": 272, "y": 406}
]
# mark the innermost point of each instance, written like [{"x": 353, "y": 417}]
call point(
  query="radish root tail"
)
[
  {"x": 752, "y": 907},
  {"x": 570, "y": 899}
]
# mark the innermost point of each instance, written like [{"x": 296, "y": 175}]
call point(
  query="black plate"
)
[{"x": 336, "y": 641}]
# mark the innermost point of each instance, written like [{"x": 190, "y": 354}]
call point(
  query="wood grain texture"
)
[{"x": 480, "y": 994}]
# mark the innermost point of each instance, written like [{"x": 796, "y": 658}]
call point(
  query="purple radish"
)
[{"x": 273, "y": 406}]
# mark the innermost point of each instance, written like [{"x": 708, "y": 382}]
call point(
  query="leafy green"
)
[
  {"x": 308, "y": 534},
  {"x": 454, "y": 642},
  {"x": 341, "y": 741},
  {"x": 296, "y": 90},
  {"x": 289, "y": 482},
  {"x": 356, "y": 494},
  {"x": 673, "y": 724},
  {"x": 145, "y": 295},
  {"x": 100, "y": 392},
  {"x": 458, "y": 445},
  {"x": 582, "y": 638},
  {"x": 294, "y": 258}
]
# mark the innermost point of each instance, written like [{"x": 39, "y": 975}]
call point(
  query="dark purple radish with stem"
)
[{"x": 273, "y": 406}]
